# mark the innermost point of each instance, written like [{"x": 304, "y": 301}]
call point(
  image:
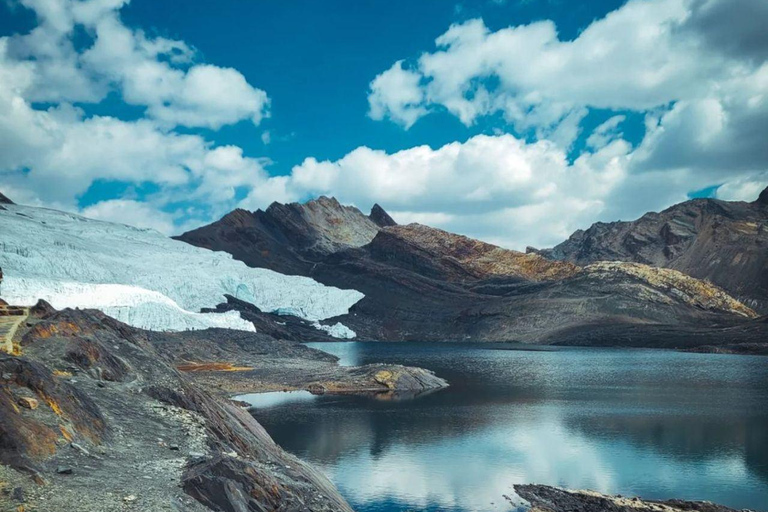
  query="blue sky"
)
[{"x": 538, "y": 117}]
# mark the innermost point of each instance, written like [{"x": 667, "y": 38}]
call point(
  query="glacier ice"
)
[
  {"x": 337, "y": 330},
  {"x": 142, "y": 277}
]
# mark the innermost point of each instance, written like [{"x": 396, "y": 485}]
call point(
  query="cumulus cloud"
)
[
  {"x": 396, "y": 94},
  {"x": 53, "y": 154},
  {"x": 125, "y": 211},
  {"x": 697, "y": 70},
  {"x": 156, "y": 73}
]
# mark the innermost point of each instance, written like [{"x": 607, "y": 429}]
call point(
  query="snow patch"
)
[{"x": 143, "y": 277}]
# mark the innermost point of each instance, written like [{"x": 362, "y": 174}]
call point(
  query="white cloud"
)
[
  {"x": 135, "y": 213},
  {"x": 53, "y": 155},
  {"x": 746, "y": 189},
  {"x": 696, "y": 69},
  {"x": 156, "y": 73},
  {"x": 494, "y": 187},
  {"x": 396, "y": 94},
  {"x": 637, "y": 57}
]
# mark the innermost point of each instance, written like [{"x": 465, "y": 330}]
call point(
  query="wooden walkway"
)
[{"x": 11, "y": 317}]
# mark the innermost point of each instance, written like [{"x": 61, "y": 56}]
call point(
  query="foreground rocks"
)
[
  {"x": 117, "y": 427},
  {"x": 544, "y": 498}
]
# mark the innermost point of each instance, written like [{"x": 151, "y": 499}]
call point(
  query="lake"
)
[{"x": 657, "y": 424}]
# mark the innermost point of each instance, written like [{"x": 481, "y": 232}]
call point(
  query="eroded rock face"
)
[
  {"x": 544, "y": 498},
  {"x": 723, "y": 242}
]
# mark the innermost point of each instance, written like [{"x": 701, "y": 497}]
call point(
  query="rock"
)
[
  {"x": 544, "y": 498},
  {"x": 130, "y": 499},
  {"x": 64, "y": 470},
  {"x": 173, "y": 447},
  {"x": 381, "y": 217},
  {"x": 80, "y": 449},
  {"x": 28, "y": 403},
  {"x": 316, "y": 389},
  {"x": 17, "y": 494}
]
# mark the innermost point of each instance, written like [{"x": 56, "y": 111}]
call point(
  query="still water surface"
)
[{"x": 657, "y": 424}]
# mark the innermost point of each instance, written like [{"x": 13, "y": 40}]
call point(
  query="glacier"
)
[{"x": 144, "y": 278}]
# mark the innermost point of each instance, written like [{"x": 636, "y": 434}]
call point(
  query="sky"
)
[{"x": 514, "y": 121}]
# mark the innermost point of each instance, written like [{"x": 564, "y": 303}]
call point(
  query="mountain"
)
[
  {"x": 144, "y": 278},
  {"x": 422, "y": 283},
  {"x": 4, "y": 200},
  {"x": 720, "y": 241},
  {"x": 289, "y": 238}
]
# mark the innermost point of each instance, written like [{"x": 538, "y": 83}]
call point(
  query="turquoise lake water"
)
[{"x": 657, "y": 424}]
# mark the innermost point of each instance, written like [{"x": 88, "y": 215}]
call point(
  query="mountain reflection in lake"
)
[{"x": 634, "y": 422}]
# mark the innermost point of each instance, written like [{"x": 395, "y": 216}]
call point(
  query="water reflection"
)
[{"x": 657, "y": 424}]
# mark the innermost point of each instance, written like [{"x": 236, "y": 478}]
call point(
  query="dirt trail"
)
[{"x": 11, "y": 317}]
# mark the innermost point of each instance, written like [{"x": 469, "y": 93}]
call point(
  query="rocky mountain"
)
[
  {"x": 4, "y": 200},
  {"x": 290, "y": 238},
  {"x": 421, "y": 283},
  {"x": 720, "y": 241},
  {"x": 146, "y": 279}
]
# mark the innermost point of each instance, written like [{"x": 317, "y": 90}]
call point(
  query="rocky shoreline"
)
[{"x": 96, "y": 413}]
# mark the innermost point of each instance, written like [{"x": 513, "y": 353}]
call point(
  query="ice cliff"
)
[{"x": 142, "y": 277}]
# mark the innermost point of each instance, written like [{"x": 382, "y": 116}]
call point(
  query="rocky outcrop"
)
[
  {"x": 543, "y": 498},
  {"x": 723, "y": 242},
  {"x": 4, "y": 199}
]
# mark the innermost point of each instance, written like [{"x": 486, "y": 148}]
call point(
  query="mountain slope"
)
[
  {"x": 723, "y": 242},
  {"x": 422, "y": 283},
  {"x": 142, "y": 277}
]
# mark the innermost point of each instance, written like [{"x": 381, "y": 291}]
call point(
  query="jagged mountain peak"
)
[
  {"x": 381, "y": 217},
  {"x": 763, "y": 197},
  {"x": 4, "y": 199}
]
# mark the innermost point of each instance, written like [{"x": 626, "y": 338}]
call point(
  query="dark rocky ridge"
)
[
  {"x": 4, "y": 199},
  {"x": 289, "y": 238},
  {"x": 723, "y": 242},
  {"x": 115, "y": 426},
  {"x": 422, "y": 283}
]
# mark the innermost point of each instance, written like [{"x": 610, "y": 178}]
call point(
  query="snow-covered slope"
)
[{"x": 142, "y": 277}]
